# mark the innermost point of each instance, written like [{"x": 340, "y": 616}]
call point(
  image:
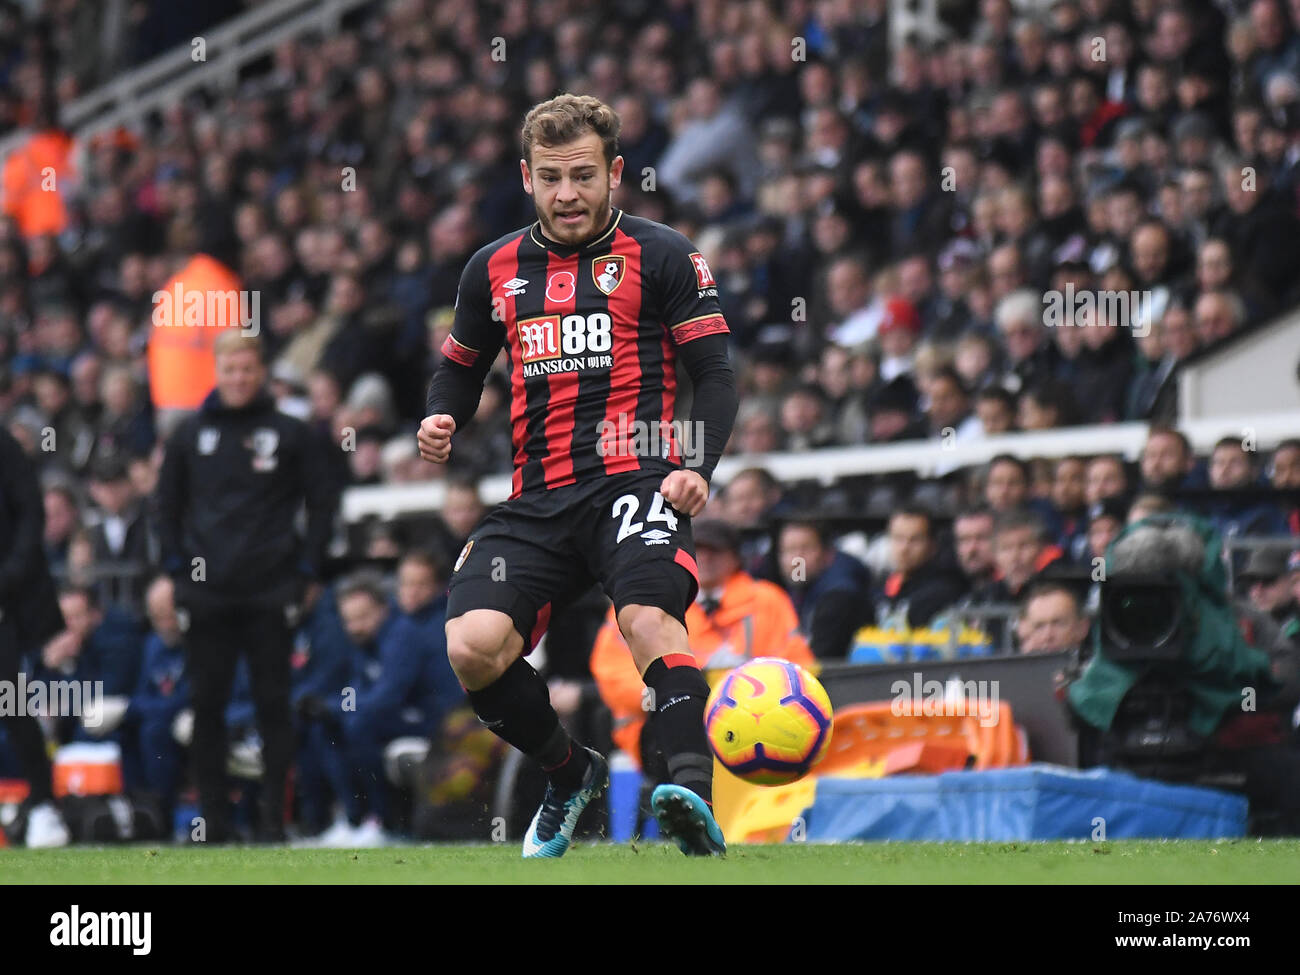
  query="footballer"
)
[{"x": 596, "y": 309}]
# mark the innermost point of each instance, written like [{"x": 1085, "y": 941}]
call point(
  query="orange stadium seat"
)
[
  {"x": 869, "y": 741},
  {"x": 865, "y": 734}
]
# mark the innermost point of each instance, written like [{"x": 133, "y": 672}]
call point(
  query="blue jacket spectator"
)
[
  {"x": 1233, "y": 468},
  {"x": 114, "y": 652},
  {"x": 97, "y": 645},
  {"x": 163, "y": 690},
  {"x": 392, "y": 674},
  {"x": 830, "y": 589},
  {"x": 388, "y": 666},
  {"x": 322, "y": 657},
  {"x": 445, "y": 688},
  {"x": 161, "y": 695}
]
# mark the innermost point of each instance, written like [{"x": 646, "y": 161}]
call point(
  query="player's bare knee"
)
[
  {"x": 479, "y": 648},
  {"x": 648, "y": 630}
]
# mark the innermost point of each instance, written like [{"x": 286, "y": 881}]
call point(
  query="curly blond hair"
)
[{"x": 566, "y": 117}]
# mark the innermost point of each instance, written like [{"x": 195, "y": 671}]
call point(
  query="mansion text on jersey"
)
[{"x": 546, "y": 367}]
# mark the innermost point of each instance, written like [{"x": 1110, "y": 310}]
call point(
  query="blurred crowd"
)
[{"x": 883, "y": 225}]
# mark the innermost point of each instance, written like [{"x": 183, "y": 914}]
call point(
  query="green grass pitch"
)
[{"x": 1121, "y": 862}]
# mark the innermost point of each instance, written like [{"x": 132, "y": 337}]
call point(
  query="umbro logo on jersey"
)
[
  {"x": 515, "y": 286},
  {"x": 656, "y": 536}
]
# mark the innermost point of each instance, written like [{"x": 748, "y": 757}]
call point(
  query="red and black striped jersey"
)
[{"x": 592, "y": 335}]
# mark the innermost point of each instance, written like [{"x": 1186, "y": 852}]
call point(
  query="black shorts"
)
[{"x": 549, "y": 547}]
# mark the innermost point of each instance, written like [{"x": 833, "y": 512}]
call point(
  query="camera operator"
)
[{"x": 1174, "y": 690}]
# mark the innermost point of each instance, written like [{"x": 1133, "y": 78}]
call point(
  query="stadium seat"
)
[
  {"x": 868, "y": 741},
  {"x": 866, "y": 734}
]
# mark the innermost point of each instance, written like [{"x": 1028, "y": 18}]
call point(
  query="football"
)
[{"x": 769, "y": 721}]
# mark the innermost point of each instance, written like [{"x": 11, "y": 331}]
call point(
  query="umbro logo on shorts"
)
[{"x": 656, "y": 536}]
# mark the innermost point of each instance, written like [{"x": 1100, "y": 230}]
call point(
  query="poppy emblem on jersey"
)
[
  {"x": 539, "y": 337},
  {"x": 607, "y": 272},
  {"x": 559, "y": 286},
  {"x": 702, "y": 272}
]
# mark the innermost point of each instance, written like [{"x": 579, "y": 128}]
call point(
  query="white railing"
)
[{"x": 925, "y": 457}]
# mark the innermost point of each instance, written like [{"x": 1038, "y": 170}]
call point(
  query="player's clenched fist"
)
[
  {"x": 434, "y": 437},
  {"x": 686, "y": 491}
]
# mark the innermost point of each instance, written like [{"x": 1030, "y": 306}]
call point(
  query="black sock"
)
[
  {"x": 563, "y": 759},
  {"x": 680, "y": 692},
  {"x": 517, "y": 707}
]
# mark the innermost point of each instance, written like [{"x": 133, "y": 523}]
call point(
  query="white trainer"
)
[
  {"x": 46, "y": 828},
  {"x": 370, "y": 834}
]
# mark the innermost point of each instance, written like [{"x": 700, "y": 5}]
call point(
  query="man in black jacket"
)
[
  {"x": 233, "y": 480},
  {"x": 29, "y": 616},
  {"x": 830, "y": 589},
  {"x": 921, "y": 585}
]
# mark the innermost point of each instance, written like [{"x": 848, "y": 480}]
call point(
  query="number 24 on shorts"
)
[{"x": 627, "y": 506}]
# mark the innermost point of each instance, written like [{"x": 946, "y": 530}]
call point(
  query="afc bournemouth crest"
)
[
  {"x": 209, "y": 437},
  {"x": 263, "y": 443},
  {"x": 464, "y": 554},
  {"x": 608, "y": 272}
]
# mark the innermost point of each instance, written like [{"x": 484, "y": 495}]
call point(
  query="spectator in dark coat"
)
[
  {"x": 920, "y": 586},
  {"x": 1234, "y": 471},
  {"x": 1105, "y": 369},
  {"x": 104, "y": 646},
  {"x": 121, "y": 531},
  {"x": 394, "y": 697},
  {"x": 29, "y": 615},
  {"x": 161, "y": 694},
  {"x": 422, "y": 598},
  {"x": 922, "y": 219},
  {"x": 1261, "y": 230},
  {"x": 100, "y": 643},
  {"x": 322, "y": 670},
  {"x": 829, "y": 588}
]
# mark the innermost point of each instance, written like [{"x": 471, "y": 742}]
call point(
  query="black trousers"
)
[
  {"x": 23, "y": 732},
  {"x": 214, "y": 641}
]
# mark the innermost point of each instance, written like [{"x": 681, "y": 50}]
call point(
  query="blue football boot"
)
[
  {"x": 686, "y": 818},
  {"x": 551, "y": 831}
]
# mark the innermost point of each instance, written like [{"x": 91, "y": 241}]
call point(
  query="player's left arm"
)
[
  {"x": 699, "y": 331},
  {"x": 467, "y": 354},
  {"x": 713, "y": 411}
]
